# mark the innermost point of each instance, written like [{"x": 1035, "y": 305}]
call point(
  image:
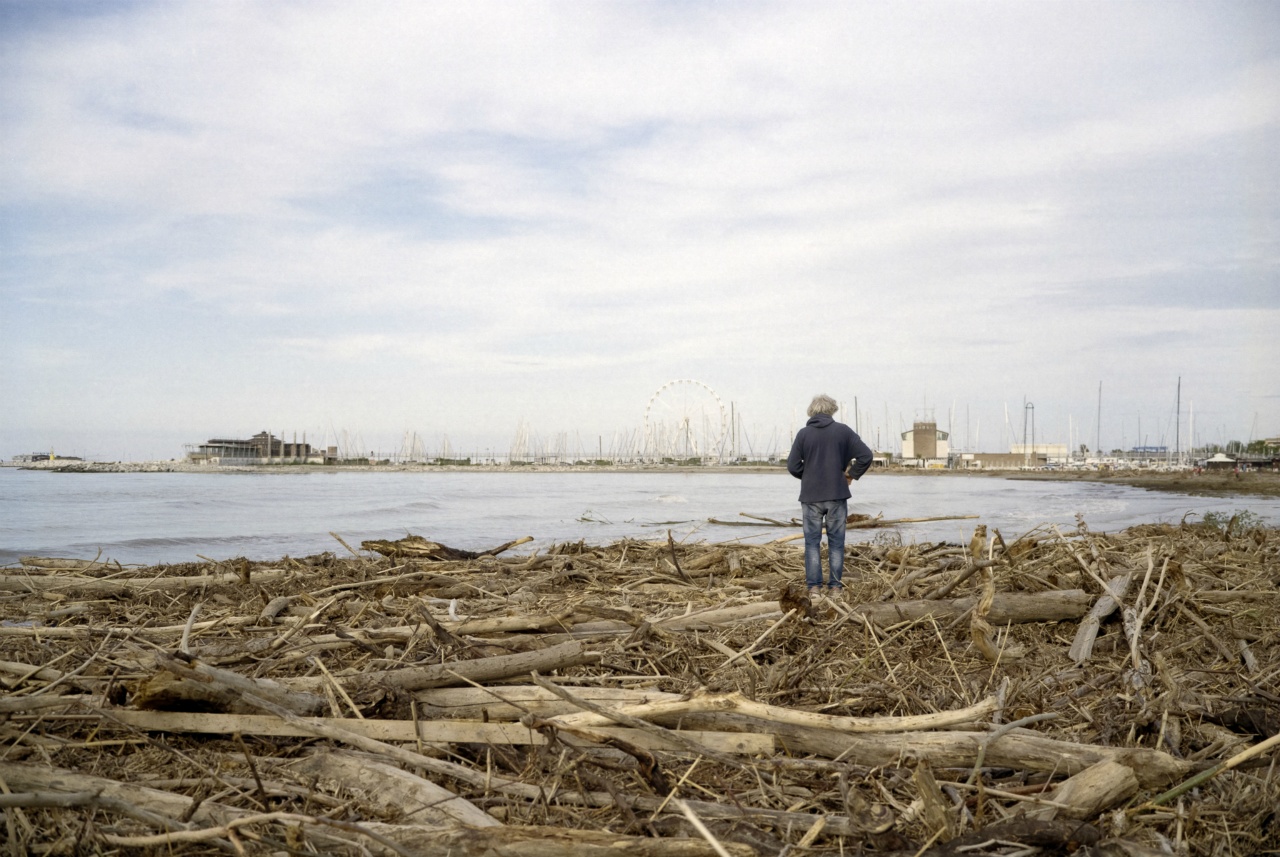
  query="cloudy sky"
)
[{"x": 472, "y": 220}]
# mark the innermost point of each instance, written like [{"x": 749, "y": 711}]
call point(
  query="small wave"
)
[
  {"x": 671, "y": 498},
  {"x": 414, "y": 506},
  {"x": 180, "y": 541}
]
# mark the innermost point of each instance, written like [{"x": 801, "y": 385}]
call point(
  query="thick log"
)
[
  {"x": 510, "y": 624},
  {"x": 1090, "y": 792},
  {"x": 21, "y": 777},
  {"x": 1006, "y": 607},
  {"x": 295, "y": 701},
  {"x": 393, "y": 789},
  {"x": 1021, "y": 749}
]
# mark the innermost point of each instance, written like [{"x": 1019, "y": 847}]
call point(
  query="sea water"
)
[{"x": 150, "y": 518}]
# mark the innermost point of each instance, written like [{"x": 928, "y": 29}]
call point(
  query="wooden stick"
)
[{"x": 1205, "y": 776}]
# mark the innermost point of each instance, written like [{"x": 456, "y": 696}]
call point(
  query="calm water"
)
[{"x": 178, "y": 517}]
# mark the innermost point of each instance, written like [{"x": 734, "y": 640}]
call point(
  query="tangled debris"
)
[{"x": 1104, "y": 694}]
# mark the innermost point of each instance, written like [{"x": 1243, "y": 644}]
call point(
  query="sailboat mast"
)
[
  {"x": 1098, "y": 441},
  {"x": 1177, "y": 425}
]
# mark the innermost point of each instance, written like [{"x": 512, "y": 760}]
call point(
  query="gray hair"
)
[{"x": 822, "y": 404}]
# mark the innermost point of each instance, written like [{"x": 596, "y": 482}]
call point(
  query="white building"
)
[{"x": 925, "y": 446}]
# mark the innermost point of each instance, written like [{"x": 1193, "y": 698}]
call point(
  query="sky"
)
[{"x": 482, "y": 222}]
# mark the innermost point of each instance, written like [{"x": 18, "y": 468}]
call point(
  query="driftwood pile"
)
[{"x": 1067, "y": 691}]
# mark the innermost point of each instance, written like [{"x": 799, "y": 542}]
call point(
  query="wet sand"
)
[{"x": 1259, "y": 483}]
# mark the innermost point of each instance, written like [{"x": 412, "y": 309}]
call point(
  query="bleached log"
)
[
  {"x": 50, "y": 563},
  {"x": 511, "y": 702},
  {"x": 28, "y": 671},
  {"x": 95, "y": 631},
  {"x": 15, "y": 704},
  {"x": 1006, "y": 607},
  {"x": 1082, "y": 646},
  {"x": 1090, "y": 792},
  {"x": 426, "y": 731},
  {"x": 509, "y": 624},
  {"x": 1021, "y": 749},
  {"x": 164, "y": 808},
  {"x": 738, "y": 704},
  {"x": 124, "y": 586},
  {"x": 721, "y": 616},
  {"x": 387, "y": 786},
  {"x": 20, "y": 777}
]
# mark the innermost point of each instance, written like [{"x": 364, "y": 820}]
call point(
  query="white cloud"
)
[{"x": 556, "y": 200}]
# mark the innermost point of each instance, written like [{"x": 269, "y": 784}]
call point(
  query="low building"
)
[
  {"x": 1219, "y": 461},
  {"x": 1045, "y": 453},
  {"x": 31, "y": 457},
  {"x": 999, "y": 460},
  {"x": 262, "y": 448}
]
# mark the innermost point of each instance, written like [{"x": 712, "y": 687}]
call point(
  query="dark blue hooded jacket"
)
[{"x": 821, "y": 455}]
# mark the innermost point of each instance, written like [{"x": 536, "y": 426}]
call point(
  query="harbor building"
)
[
  {"x": 925, "y": 445},
  {"x": 262, "y": 448}
]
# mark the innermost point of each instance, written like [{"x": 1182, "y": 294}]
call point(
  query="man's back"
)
[{"x": 819, "y": 456}]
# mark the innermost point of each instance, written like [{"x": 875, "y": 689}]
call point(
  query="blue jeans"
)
[{"x": 833, "y": 514}]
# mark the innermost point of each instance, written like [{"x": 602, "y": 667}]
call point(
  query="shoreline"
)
[{"x": 1259, "y": 483}]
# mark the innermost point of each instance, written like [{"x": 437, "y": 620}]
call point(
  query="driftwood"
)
[
  {"x": 675, "y": 712},
  {"x": 394, "y": 788},
  {"x": 735, "y": 703},
  {"x": 117, "y": 586},
  {"x": 1006, "y": 607},
  {"x": 1082, "y": 646},
  {"x": 299, "y": 702},
  {"x": 416, "y": 547},
  {"x": 481, "y": 670},
  {"x": 438, "y": 732},
  {"x": 1090, "y": 792},
  {"x": 160, "y": 806},
  {"x": 511, "y": 702}
]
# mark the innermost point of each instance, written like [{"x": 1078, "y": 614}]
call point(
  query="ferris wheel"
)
[{"x": 685, "y": 419}]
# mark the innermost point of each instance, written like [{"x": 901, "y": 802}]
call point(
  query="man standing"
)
[{"x": 826, "y": 457}]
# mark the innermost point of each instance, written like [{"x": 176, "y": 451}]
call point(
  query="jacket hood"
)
[{"x": 821, "y": 421}]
